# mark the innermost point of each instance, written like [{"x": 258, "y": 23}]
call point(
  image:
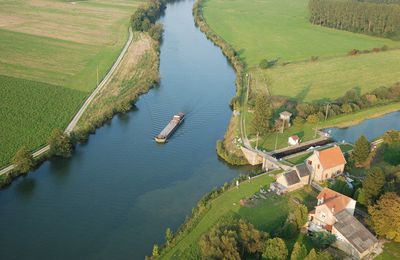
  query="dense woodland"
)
[{"x": 374, "y": 17}]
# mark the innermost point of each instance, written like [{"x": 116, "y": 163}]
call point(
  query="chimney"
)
[{"x": 333, "y": 209}]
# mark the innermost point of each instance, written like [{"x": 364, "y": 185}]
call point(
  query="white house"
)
[{"x": 293, "y": 140}]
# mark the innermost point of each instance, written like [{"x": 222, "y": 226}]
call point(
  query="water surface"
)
[
  {"x": 371, "y": 128},
  {"x": 119, "y": 192}
]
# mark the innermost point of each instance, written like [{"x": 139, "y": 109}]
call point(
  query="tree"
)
[
  {"x": 168, "y": 236},
  {"x": 391, "y": 136},
  {"x": 23, "y": 160},
  {"x": 361, "y": 150},
  {"x": 312, "y": 255},
  {"x": 346, "y": 108},
  {"x": 155, "y": 250},
  {"x": 251, "y": 239},
  {"x": 385, "y": 216},
  {"x": 275, "y": 249},
  {"x": 392, "y": 153},
  {"x": 373, "y": 184},
  {"x": 299, "y": 252},
  {"x": 323, "y": 239},
  {"x": 262, "y": 114},
  {"x": 220, "y": 243},
  {"x": 300, "y": 215},
  {"x": 342, "y": 187},
  {"x": 156, "y": 31},
  {"x": 360, "y": 197},
  {"x": 298, "y": 121},
  {"x": 312, "y": 119},
  {"x": 60, "y": 144}
]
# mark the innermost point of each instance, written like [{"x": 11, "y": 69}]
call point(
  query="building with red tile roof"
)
[{"x": 326, "y": 164}]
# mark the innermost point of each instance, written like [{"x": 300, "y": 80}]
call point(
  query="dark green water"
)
[{"x": 119, "y": 192}]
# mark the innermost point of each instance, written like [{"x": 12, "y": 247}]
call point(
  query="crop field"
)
[
  {"x": 50, "y": 52},
  {"x": 331, "y": 78},
  {"x": 272, "y": 29}
]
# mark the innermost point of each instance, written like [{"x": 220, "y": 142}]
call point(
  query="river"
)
[
  {"x": 371, "y": 128},
  {"x": 119, "y": 192}
]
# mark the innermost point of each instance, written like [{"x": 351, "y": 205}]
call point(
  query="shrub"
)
[{"x": 23, "y": 160}]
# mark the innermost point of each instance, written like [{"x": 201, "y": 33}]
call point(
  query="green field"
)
[
  {"x": 280, "y": 29},
  {"x": 267, "y": 215},
  {"x": 55, "y": 48},
  {"x": 391, "y": 251},
  {"x": 331, "y": 78},
  {"x": 272, "y": 29}
]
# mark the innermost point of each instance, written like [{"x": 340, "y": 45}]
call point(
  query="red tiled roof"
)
[
  {"x": 331, "y": 157},
  {"x": 334, "y": 200},
  {"x": 294, "y": 137}
]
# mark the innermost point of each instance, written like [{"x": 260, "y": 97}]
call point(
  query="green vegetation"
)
[
  {"x": 378, "y": 18},
  {"x": 28, "y": 116},
  {"x": 299, "y": 159},
  {"x": 274, "y": 29},
  {"x": 328, "y": 79},
  {"x": 23, "y": 160},
  {"x": 60, "y": 144},
  {"x": 48, "y": 68},
  {"x": 267, "y": 215},
  {"x": 391, "y": 251},
  {"x": 362, "y": 149}
]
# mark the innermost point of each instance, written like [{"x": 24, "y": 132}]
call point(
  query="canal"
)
[
  {"x": 119, "y": 192},
  {"x": 371, "y": 128}
]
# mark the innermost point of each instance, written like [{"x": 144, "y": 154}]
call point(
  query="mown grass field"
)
[
  {"x": 280, "y": 29},
  {"x": 331, "y": 78},
  {"x": 272, "y": 29},
  {"x": 55, "y": 48},
  {"x": 268, "y": 215},
  {"x": 391, "y": 251}
]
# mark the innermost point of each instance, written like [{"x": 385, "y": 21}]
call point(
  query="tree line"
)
[{"x": 375, "y": 18}]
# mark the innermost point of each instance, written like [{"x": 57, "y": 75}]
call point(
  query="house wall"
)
[
  {"x": 320, "y": 212},
  {"x": 343, "y": 244},
  {"x": 351, "y": 207},
  {"x": 305, "y": 180},
  {"x": 318, "y": 173},
  {"x": 281, "y": 179}
]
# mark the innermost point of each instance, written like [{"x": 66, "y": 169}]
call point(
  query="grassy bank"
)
[
  {"x": 137, "y": 73},
  {"x": 267, "y": 214},
  {"x": 50, "y": 54}
]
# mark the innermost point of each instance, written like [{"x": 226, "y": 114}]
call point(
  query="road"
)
[{"x": 85, "y": 105}]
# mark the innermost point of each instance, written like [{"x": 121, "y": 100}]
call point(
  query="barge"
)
[{"x": 170, "y": 128}]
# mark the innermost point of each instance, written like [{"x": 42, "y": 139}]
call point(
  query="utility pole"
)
[
  {"x": 326, "y": 112},
  {"x": 257, "y": 142}
]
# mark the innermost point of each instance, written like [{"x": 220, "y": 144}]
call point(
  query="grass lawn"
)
[
  {"x": 329, "y": 79},
  {"x": 267, "y": 215},
  {"x": 280, "y": 29},
  {"x": 49, "y": 55},
  {"x": 299, "y": 159},
  {"x": 391, "y": 251}
]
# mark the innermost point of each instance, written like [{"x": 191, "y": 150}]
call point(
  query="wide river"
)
[{"x": 119, "y": 192}]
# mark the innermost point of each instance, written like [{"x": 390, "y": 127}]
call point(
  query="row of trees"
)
[
  {"x": 145, "y": 16},
  {"x": 363, "y": 17},
  {"x": 352, "y": 101}
]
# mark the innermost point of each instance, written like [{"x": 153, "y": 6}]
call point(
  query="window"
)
[
  {"x": 318, "y": 166},
  {"x": 309, "y": 162},
  {"x": 323, "y": 216}
]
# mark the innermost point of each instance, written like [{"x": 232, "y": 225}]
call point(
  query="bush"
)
[
  {"x": 23, "y": 160},
  {"x": 323, "y": 239},
  {"x": 60, "y": 144},
  {"x": 156, "y": 31}
]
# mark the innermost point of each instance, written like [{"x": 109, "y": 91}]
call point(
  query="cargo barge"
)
[{"x": 170, "y": 128}]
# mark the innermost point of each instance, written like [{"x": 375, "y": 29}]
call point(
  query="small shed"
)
[
  {"x": 293, "y": 140},
  {"x": 285, "y": 116}
]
